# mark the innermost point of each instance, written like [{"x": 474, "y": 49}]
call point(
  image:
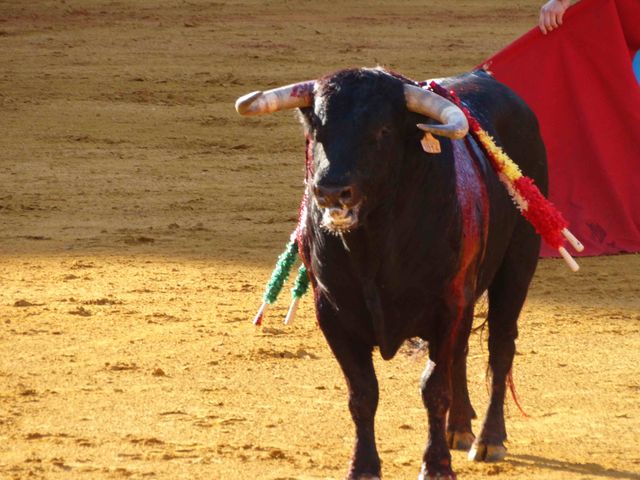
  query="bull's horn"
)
[
  {"x": 296, "y": 95},
  {"x": 432, "y": 105}
]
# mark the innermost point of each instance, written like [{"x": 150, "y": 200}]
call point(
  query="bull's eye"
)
[{"x": 381, "y": 135}]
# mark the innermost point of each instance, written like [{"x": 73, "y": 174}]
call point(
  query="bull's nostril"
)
[
  {"x": 346, "y": 194},
  {"x": 335, "y": 196}
]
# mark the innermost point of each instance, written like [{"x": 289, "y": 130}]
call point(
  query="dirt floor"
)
[{"x": 140, "y": 218}]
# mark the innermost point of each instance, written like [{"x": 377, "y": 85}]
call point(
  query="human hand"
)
[{"x": 551, "y": 14}]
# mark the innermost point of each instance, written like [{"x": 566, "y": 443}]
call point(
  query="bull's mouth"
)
[{"x": 340, "y": 220}]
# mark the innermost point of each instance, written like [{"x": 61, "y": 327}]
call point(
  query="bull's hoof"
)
[
  {"x": 426, "y": 475},
  {"x": 366, "y": 476},
  {"x": 482, "y": 452},
  {"x": 460, "y": 440}
]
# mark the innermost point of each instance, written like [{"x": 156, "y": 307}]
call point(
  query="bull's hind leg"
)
[{"x": 507, "y": 294}]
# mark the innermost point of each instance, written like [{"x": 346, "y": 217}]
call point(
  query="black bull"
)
[{"x": 400, "y": 243}]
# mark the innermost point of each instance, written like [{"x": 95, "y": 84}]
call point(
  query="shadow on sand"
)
[{"x": 579, "y": 468}]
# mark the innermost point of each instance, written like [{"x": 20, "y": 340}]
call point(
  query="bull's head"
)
[{"x": 358, "y": 124}]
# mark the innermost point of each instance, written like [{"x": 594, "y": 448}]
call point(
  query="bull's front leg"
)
[
  {"x": 355, "y": 359},
  {"x": 435, "y": 386}
]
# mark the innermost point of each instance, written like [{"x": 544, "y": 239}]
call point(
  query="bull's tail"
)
[
  {"x": 514, "y": 394},
  {"x": 512, "y": 388}
]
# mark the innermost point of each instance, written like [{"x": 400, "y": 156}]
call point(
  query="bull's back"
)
[{"x": 507, "y": 117}]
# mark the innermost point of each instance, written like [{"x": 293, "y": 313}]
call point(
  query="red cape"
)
[{"x": 580, "y": 82}]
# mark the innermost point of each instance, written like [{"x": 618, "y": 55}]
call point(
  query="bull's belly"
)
[{"x": 398, "y": 317}]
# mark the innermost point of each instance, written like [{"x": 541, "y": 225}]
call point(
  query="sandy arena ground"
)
[{"x": 140, "y": 218}]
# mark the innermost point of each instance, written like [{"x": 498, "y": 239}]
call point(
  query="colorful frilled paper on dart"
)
[{"x": 580, "y": 82}]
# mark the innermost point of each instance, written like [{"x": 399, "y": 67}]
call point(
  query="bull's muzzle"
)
[{"x": 339, "y": 205}]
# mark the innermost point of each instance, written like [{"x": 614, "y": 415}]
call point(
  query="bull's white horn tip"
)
[
  {"x": 243, "y": 104},
  {"x": 425, "y": 127}
]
